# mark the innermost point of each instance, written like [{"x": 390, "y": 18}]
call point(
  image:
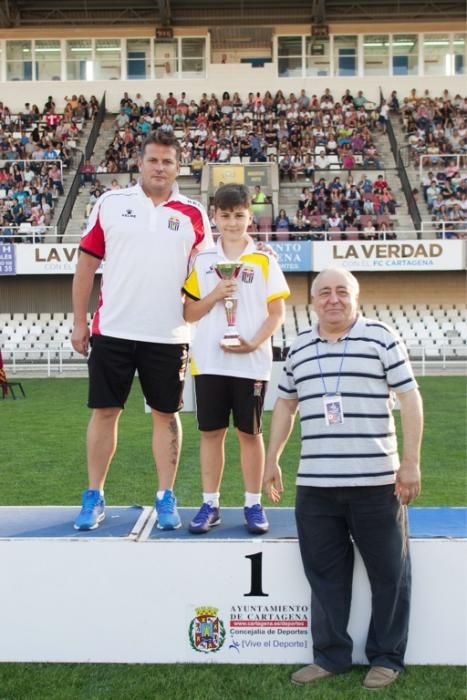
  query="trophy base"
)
[{"x": 230, "y": 342}]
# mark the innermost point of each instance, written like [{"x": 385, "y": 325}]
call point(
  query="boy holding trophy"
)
[{"x": 236, "y": 294}]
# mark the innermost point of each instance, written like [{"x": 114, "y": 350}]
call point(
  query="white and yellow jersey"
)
[{"x": 260, "y": 281}]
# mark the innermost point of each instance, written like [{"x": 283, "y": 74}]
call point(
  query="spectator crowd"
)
[
  {"x": 436, "y": 131},
  {"x": 301, "y": 133},
  {"x": 35, "y": 147}
]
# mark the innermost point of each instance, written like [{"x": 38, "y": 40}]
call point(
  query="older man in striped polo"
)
[{"x": 342, "y": 375}]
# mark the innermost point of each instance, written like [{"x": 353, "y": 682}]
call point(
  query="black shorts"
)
[
  {"x": 217, "y": 396},
  {"x": 112, "y": 365}
]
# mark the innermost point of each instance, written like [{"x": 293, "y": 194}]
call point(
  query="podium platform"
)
[
  {"x": 226, "y": 597},
  {"x": 37, "y": 522}
]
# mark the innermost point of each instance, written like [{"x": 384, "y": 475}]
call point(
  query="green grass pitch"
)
[{"x": 43, "y": 463}]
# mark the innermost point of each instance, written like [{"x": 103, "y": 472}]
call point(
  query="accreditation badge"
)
[{"x": 333, "y": 411}]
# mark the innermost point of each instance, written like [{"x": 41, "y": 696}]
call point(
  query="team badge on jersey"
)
[
  {"x": 129, "y": 214},
  {"x": 248, "y": 274},
  {"x": 173, "y": 223}
]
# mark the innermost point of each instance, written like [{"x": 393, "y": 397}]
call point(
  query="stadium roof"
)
[{"x": 212, "y": 13}]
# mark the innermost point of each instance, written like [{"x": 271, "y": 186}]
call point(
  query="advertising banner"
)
[
  {"x": 7, "y": 259},
  {"x": 46, "y": 259},
  {"x": 294, "y": 256},
  {"x": 387, "y": 256},
  {"x": 60, "y": 259}
]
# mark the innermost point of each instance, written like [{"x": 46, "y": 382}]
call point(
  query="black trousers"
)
[{"x": 327, "y": 519}]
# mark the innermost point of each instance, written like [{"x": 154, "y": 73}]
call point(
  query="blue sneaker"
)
[
  {"x": 167, "y": 513},
  {"x": 92, "y": 511},
  {"x": 256, "y": 521},
  {"x": 206, "y": 518}
]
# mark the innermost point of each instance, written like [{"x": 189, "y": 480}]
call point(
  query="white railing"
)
[
  {"x": 426, "y": 161},
  {"x": 420, "y": 356},
  {"x": 53, "y": 359},
  {"x": 57, "y": 359},
  {"x": 27, "y": 233},
  {"x": 48, "y": 234},
  {"x": 444, "y": 229}
]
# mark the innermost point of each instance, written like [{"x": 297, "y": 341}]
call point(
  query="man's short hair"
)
[
  {"x": 230, "y": 196},
  {"x": 351, "y": 279},
  {"x": 161, "y": 138}
]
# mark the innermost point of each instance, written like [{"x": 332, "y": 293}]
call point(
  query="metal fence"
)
[
  {"x": 63, "y": 359},
  {"x": 27, "y": 233}
]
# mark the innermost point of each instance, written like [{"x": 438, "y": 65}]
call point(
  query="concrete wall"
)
[
  {"x": 53, "y": 293},
  {"x": 235, "y": 77}
]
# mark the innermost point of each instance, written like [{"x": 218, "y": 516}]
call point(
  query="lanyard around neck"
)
[{"x": 318, "y": 357}]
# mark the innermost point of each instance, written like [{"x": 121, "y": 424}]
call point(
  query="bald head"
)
[
  {"x": 335, "y": 299},
  {"x": 349, "y": 278}
]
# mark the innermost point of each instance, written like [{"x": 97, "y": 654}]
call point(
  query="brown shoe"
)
[
  {"x": 309, "y": 674},
  {"x": 380, "y": 677}
]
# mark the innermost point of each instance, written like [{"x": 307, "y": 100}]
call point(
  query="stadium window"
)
[
  {"x": 108, "y": 59},
  {"x": 47, "y": 56},
  {"x": 166, "y": 58},
  {"x": 459, "y": 53},
  {"x": 289, "y": 54},
  {"x": 19, "y": 60},
  {"x": 345, "y": 55},
  {"x": 376, "y": 54},
  {"x": 138, "y": 56},
  {"x": 318, "y": 56},
  {"x": 405, "y": 54},
  {"x": 436, "y": 54},
  {"x": 193, "y": 57},
  {"x": 79, "y": 63}
]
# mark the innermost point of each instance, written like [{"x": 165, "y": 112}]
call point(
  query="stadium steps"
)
[
  {"x": 78, "y": 219},
  {"x": 69, "y": 173},
  {"x": 106, "y": 134}
]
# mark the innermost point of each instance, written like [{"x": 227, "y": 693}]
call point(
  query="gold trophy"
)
[{"x": 230, "y": 271}]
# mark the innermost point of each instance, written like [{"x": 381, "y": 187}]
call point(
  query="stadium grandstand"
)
[{"x": 347, "y": 120}]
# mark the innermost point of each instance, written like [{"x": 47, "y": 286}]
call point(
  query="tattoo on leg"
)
[{"x": 174, "y": 441}]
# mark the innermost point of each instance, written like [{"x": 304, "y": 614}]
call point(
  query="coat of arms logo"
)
[{"x": 206, "y": 631}]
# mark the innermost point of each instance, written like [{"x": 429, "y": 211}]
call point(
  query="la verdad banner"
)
[{"x": 386, "y": 256}]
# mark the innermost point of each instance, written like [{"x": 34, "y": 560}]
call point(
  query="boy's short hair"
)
[
  {"x": 161, "y": 138},
  {"x": 230, "y": 196}
]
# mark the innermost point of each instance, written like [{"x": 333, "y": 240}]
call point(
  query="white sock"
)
[
  {"x": 160, "y": 494},
  {"x": 212, "y": 499},
  {"x": 101, "y": 493},
  {"x": 252, "y": 499}
]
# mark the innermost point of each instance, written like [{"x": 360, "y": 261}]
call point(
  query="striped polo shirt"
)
[
  {"x": 146, "y": 251},
  {"x": 362, "y": 451}
]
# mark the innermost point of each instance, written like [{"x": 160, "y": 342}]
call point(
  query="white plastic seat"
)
[
  {"x": 419, "y": 327},
  {"x": 439, "y": 314},
  {"x": 432, "y": 351}
]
